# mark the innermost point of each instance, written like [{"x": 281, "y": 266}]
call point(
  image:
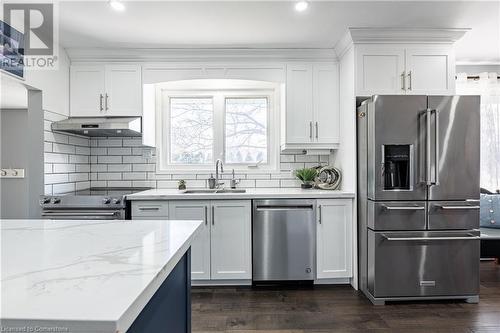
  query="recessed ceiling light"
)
[
  {"x": 117, "y": 5},
  {"x": 301, "y": 6}
]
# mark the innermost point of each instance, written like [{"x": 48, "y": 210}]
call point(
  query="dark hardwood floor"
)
[{"x": 341, "y": 309}]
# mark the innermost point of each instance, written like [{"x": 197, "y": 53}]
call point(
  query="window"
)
[
  {"x": 199, "y": 126},
  {"x": 246, "y": 130},
  {"x": 488, "y": 86}
]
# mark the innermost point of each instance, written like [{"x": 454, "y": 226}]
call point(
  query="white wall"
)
[{"x": 54, "y": 85}]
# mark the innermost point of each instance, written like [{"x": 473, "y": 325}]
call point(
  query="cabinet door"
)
[
  {"x": 334, "y": 238},
  {"x": 326, "y": 103},
  {"x": 380, "y": 70},
  {"x": 231, "y": 240},
  {"x": 299, "y": 118},
  {"x": 87, "y": 91},
  {"x": 200, "y": 249},
  {"x": 430, "y": 71},
  {"x": 123, "y": 91}
]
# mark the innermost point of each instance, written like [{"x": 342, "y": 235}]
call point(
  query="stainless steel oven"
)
[{"x": 90, "y": 204}]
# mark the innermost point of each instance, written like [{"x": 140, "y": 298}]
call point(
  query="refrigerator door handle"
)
[
  {"x": 470, "y": 237},
  {"x": 436, "y": 147},
  {"x": 457, "y": 207},
  {"x": 403, "y": 207},
  {"x": 428, "y": 179}
]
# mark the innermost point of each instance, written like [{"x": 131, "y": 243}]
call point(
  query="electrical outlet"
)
[{"x": 11, "y": 173}]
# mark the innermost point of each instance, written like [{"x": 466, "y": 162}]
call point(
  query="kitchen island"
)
[{"x": 96, "y": 276}]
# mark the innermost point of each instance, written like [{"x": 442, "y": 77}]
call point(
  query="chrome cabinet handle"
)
[
  {"x": 403, "y": 81},
  {"x": 458, "y": 207},
  {"x": 149, "y": 208},
  {"x": 213, "y": 215},
  {"x": 409, "y": 79},
  {"x": 100, "y": 102},
  {"x": 106, "y": 102},
  {"x": 317, "y": 135},
  {"x": 311, "y": 130},
  {"x": 430, "y": 238},
  {"x": 403, "y": 207},
  {"x": 206, "y": 215},
  {"x": 319, "y": 213}
]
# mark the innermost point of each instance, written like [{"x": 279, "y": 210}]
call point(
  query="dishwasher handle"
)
[{"x": 283, "y": 207}]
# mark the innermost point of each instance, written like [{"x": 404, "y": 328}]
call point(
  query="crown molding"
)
[
  {"x": 388, "y": 35},
  {"x": 197, "y": 54}
]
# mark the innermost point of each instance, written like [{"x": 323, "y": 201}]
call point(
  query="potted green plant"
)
[{"x": 306, "y": 176}]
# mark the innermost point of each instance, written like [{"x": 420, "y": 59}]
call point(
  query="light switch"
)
[{"x": 11, "y": 173}]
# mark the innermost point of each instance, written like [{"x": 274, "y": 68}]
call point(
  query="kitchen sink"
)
[{"x": 214, "y": 191}]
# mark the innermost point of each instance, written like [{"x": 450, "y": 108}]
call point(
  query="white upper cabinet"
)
[
  {"x": 393, "y": 69},
  {"x": 87, "y": 91},
  {"x": 123, "y": 90},
  {"x": 200, "y": 249},
  {"x": 380, "y": 70},
  {"x": 311, "y": 117},
  {"x": 231, "y": 240},
  {"x": 299, "y": 105},
  {"x": 334, "y": 238},
  {"x": 326, "y": 103},
  {"x": 430, "y": 71},
  {"x": 105, "y": 91}
]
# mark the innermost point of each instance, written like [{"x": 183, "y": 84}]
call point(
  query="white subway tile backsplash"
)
[
  {"x": 56, "y": 158},
  {"x": 55, "y": 178},
  {"x": 62, "y": 148},
  {"x": 132, "y": 142},
  {"x": 134, "y": 176},
  {"x": 98, "y": 151},
  {"x": 64, "y": 168},
  {"x": 143, "y": 167},
  {"x": 110, "y": 143},
  {"x": 78, "y": 177},
  {"x": 134, "y": 159},
  {"x": 109, "y": 176},
  {"x": 82, "y": 168},
  {"x": 287, "y": 158},
  {"x": 119, "y": 183},
  {"x": 306, "y": 158},
  {"x": 118, "y": 167},
  {"x": 119, "y": 151},
  {"x": 82, "y": 150},
  {"x": 109, "y": 159},
  {"x": 79, "y": 141},
  {"x": 82, "y": 185},
  {"x": 80, "y": 159},
  {"x": 267, "y": 183},
  {"x": 144, "y": 183}
]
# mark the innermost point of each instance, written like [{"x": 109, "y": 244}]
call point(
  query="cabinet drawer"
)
[
  {"x": 453, "y": 215},
  {"x": 396, "y": 215},
  {"x": 149, "y": 209}
]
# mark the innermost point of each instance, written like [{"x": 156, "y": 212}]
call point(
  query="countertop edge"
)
[
  {"x": 236, "y": 196},
  {"x": 133, "y": 311}
]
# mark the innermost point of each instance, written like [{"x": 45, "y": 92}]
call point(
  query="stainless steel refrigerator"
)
[{"x": 418, "y": 197}]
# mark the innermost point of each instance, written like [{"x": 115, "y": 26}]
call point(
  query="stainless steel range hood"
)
[{"x": 111, "y": 126}]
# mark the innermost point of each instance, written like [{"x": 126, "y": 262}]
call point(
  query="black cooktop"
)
[{"x": 107, "y": 191}]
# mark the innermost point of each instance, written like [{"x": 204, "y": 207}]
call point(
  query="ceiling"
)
[{"x": 271, "y": 24}]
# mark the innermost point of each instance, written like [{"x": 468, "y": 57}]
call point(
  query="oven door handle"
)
[
  {"x": 470, "y": 237},
  {"x": 89, "y": 215},
  {"x": 403, "y": 207}
]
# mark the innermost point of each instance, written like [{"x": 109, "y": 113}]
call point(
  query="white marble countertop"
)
[
  {"x": 85, "y": 276},
  {"x": 251, "y": 193}
]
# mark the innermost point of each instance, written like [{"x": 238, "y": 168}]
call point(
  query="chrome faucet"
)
[{"x": 217, "y": 163}]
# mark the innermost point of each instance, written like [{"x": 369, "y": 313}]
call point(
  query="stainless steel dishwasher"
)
[{"x": 284, "y": 240}]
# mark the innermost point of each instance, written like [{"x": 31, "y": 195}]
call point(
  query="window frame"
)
[{"x": 165, "y": 92}]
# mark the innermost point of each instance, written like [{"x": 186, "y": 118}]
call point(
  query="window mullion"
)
[{"x": 218, "y": 126}]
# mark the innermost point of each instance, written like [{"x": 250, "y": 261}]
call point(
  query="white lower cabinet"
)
[
  {"x": 334, "y": 238},
  {"x": 223, "y": 250},
  {"x": 200, "y": 249},
  {"x": 231, "y": 247}
]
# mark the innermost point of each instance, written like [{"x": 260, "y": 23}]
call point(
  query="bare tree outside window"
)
[
  {"x": 246, "y": 130},
  {"x": 191, "y": 130}
]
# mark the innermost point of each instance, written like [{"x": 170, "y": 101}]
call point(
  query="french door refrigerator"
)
[{"x": 418, "y": 197}]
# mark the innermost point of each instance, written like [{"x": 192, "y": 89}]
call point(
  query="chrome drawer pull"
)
[
  {"x": 458, "y": 207},
  {"x": 403, "y": 207},
  {"x": 149, "y": 208},
  {"x": 431, "y": 238}
]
